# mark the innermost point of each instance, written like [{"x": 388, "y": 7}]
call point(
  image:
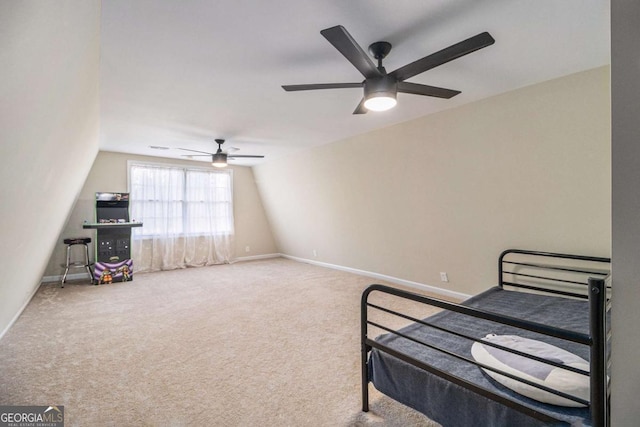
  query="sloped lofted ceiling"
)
[{"x": 181, "y": 73}]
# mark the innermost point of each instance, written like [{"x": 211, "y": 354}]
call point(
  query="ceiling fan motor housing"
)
[{"x": 380, "y": 86}]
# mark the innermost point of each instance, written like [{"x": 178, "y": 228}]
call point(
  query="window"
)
[{"x": 179, "y": 201}]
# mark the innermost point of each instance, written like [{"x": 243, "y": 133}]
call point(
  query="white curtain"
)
[{"x": 187, "y": 217}]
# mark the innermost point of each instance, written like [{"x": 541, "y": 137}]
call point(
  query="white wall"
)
[
  {"x": 625, "y": 92},
  {"x": 109, "y": 174},
  {"x": 49, "y": 63},
  {"x": 450, "y": 191}
]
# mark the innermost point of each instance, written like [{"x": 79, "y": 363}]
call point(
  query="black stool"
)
[{"x": 76, "y": 264}]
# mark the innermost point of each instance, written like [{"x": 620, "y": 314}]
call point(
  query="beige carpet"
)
[{"x": 262, "y": 343}]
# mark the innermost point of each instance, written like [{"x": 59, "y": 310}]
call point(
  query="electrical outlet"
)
[
  {"x": 444, "y": 277},
  {"x": 247, "y": 249},
  {"x": 315, "y": 253}
]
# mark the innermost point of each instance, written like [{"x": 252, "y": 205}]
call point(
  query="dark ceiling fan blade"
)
[
  {"x": 195, "y": 151},
  {"x": 418, "y": 89},
  {"x": 290, "y": 88},
  {"x": 360, "y": 109},
  {"x": 347, "y": 46},
  {"x": 443, "y": 56},
  {"x": 246, "y": 156}
]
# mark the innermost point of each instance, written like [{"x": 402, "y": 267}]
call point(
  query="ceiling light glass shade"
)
[
  {"x": 219, "y": 160},
  {"x": 380, "y": 93},
  {"x": 380, "y": 102}
]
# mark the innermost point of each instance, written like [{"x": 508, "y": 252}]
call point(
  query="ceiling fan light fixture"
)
[
  {"x": 380, "y": 102},
  {"x": 380, "y": 94},
  {"x": 219, "y": 160}
]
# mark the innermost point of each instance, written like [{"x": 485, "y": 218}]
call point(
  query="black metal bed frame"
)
[{"x": 594, "y": 289}]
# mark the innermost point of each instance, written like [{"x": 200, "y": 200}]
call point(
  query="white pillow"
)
[{"x": 537, "y": 372}]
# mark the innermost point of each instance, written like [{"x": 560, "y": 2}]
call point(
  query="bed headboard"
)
[{"x": 549, "y": 272}]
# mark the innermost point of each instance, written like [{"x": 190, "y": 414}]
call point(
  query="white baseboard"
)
[
  {"x": 80, "y": 276},
  {"x": 58, "y": 278},
  {"x": 396, "y": 280},
  {"x": 255, "y": 257}
]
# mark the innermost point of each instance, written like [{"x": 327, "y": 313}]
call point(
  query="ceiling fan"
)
[
  {"x": 219, "y": 158},
  {"x": 380, "y": 88}
]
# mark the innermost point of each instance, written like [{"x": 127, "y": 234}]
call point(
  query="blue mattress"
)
[{"x": 456, "y": 406}]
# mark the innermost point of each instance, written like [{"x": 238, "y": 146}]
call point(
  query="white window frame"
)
[{"x": 141, "y": 234}]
